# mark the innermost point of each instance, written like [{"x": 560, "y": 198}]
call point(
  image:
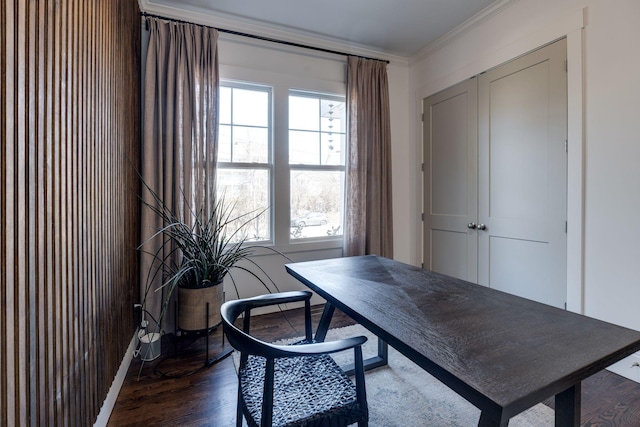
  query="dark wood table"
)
[{"x": 502, "y": 353}]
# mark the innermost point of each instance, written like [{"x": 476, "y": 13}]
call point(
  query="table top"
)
[{"x": 501, "y": 352}]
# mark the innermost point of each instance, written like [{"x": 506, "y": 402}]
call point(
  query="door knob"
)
[
  {"x": 471, "y": 226},
  {"x": 482, "y": 227}
]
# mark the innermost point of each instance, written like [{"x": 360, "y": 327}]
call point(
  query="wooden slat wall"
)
[{"x": 69, "y": 215}]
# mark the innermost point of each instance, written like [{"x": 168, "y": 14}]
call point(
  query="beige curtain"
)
[
  {"x": 369, "y": 220},
  {"x": 179, "y": 149}
]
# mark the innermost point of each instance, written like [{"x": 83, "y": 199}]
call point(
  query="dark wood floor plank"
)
[{"x": 208, "y": 397}]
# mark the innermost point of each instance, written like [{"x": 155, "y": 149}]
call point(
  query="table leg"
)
[
  {"x": 486, "y": 421},
  {"x": 380, "y": 359},
  {"x": 383, "y": 355},
  {"x": 325, "y": 321},
  {"x": 568, "y": 407}
]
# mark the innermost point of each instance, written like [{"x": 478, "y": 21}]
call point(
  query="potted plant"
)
[{"x": 197, "y": 250}]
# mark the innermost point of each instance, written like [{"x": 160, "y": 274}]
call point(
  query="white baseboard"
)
[
  {"x": 628, "y": 367},
  {"x": 116, "y": 385}
]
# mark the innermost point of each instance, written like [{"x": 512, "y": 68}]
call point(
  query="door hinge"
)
[
  {"x": 566, "y": 227},
  {"x": 566, "y": 145},
  {"x": 422, "y": 167},
  {"x": 422, "y": 217},
  {"x": 422, "y": 117},
  {"x": 566, "y": 65}
]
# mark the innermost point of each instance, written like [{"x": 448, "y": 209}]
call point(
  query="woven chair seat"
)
[{"x": 330, "y": 400}]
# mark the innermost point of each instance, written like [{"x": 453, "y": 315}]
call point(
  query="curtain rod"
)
[{"x": 268, "y": 39}]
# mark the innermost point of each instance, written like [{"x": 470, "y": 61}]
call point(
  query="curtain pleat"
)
[
  {"x": 179, "y": 150},
  {"x": 369, "y": 219}
]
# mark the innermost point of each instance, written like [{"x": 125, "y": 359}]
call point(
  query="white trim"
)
[
  {"x": 116, "y": 385},
  {"x": 575, "y": 173},
  {"x": 486, "y": 60},
  {"x": 629, "y": 367},
  {"x": 453, "y": 34}
]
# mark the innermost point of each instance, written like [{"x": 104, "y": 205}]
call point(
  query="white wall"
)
[
  {"x": 404, "y": 170},
  {"x": 605, "y": 143}
]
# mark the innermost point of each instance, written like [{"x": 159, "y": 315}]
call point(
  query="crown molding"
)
[
  {"x": 490, "y": 11},
  {"x": 205, "y": 17}
]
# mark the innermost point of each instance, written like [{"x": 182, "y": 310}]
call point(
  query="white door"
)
[
  {"x": 495, "y": 177},
  {"x": 450, "y": 181},
  {"x": 522, "y": 133}
]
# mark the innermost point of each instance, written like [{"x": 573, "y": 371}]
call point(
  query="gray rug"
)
[{"x": 403, "y": 394}]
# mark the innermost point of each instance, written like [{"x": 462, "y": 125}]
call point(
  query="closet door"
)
[
  {"x": 450, "y": 181},
  {"x": 522, "y": 132}
]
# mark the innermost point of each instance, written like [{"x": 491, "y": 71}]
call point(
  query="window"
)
[
  {"x": 317, "y": 143},
  {"x": 245, "y": 167},
  {"x": 268, "y": 168}
]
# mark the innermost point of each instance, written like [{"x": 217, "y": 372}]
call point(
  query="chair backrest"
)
[{"x": 240, "y": 339}]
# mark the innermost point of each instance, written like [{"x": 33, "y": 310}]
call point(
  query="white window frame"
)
[{"x": 280, "y": 169}]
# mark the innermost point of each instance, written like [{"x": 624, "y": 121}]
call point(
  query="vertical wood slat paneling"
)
[
  {"x": 47, "y": 277},
  {"x": 20, "y": 166},
  {"x": 7, "y": 141},
  {"x": 31, "y": 158},
  {"x": 3, "y": 194},
  {"x": 55, "y": 220},
  {"x": 69, "y": 224}
]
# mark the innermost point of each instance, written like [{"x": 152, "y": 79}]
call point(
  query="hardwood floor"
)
[{"x": 200, "y": 396}]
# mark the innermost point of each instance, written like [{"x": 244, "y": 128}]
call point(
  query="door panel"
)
[
  {"x": 522, "y": 176},
  {"x": 450, "y": 181},
  {"x": 518, "y": 258},
  {"x": 446, "y": 257}
]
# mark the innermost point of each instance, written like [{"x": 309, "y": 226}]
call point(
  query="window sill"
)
[{"x": 301, "y": 246}]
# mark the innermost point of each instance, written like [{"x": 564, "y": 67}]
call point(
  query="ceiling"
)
[{"x": 395, "y": 27}]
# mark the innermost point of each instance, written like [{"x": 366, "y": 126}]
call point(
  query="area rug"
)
[{"x": 403, "y": 394}]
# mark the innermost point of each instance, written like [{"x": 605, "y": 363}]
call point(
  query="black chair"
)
[{"x": 293, "y": 385}]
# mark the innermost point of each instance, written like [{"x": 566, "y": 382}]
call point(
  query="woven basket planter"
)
[{"x": 192, "y": 307}]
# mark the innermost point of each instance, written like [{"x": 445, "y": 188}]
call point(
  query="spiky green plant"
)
[{"x": 198, "y": 248}]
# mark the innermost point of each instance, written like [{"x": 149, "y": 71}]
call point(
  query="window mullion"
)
[{"x": 281, "y": 195}]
